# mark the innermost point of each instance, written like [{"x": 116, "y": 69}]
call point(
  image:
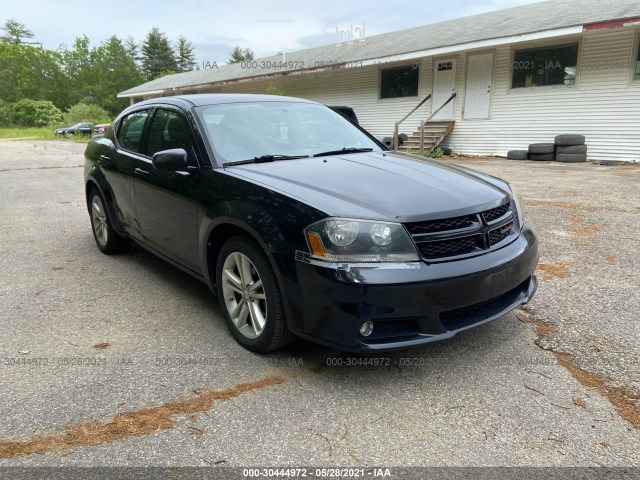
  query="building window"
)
[
  {"x": 399, "y": 82},
  {"x": 554, "y": 65},
  {"x": 637, "y": 76}
]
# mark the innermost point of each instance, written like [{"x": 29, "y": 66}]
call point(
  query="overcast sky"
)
[{"x": 214, "y": 27}]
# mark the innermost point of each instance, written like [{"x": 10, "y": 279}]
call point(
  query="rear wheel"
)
[
  {"x": 107, "y": 239},
  {"x": 249, "y": 296}
]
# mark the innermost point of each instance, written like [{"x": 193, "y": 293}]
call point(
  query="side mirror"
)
[{"x": 171, "y": 160}]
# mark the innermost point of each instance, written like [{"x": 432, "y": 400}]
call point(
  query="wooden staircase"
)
[{"x": 434, "y": 134}]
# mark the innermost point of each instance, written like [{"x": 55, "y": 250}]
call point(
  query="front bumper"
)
[{"x": 414, "y": 303}]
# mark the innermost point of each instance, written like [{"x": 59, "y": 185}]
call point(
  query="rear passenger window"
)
[{"x": 130, "y": 133}]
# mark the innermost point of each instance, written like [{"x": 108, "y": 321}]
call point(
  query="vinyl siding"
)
[
  {"x": 356, "y": 88},
  {"x": 604, "y": 105}
]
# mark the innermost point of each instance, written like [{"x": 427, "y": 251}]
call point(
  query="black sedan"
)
[
  {"x": 77, "y": 129},
  {"x": 303, "y": 224}
]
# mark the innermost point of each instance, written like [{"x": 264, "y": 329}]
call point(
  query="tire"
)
[
  {"x": 540, "y": 148},
  {"x": 570, "y": 140},
  {"x": 580, "y": 149},
  {"x": 107, "y": 239},
  {"x": 446, "y": 151},
  {"x": 403, "y": 137},
  {"x": 542, "y": 156},
  {"x": 388, "y": 141},
  {"x": 242, "y": 310},
  {"x": 518, "y": 155},
  {"x": 571, "y": 157}
]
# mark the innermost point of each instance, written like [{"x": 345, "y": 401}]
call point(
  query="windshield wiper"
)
[
  {"x": 344, "y": 150},
  {"x": 264, "y": 159}
]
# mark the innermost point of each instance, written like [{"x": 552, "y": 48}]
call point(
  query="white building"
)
[{"x": 521, "y": 75}]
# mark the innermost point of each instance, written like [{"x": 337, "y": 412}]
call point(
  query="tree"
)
[
  {"x": 239, "y": 54},
  {"x": 119, "y": 72},
  {"x": 158, "y": 58},
  {"x": 86, "y": 113},
  {"x": 82, "y": 72},
  {"x": 185, "y": 58},
  {"x": 4, "y": 118},
  {"x": 133, "y": 49},
  {"x": 16, "y": 33},
  {"x": 31, "y": 72},
  {"x": 33, "y": 113}
]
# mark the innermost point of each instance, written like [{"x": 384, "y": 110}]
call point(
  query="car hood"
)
[{"x": 380, "y": 185}]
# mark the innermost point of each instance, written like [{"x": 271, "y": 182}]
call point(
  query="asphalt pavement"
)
[{"x": 126, "y": 361}]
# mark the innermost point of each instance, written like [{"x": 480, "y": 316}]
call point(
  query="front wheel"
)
[
  {"x": 106, "y": 237},
  {"x": 249, "y": 296}
]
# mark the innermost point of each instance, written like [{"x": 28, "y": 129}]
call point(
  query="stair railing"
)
[
  {"x": 397, "y": 125},
  {"x": 424, "y": 122}
]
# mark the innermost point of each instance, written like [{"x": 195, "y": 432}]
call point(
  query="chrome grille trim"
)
[{"x": 464, "y": 236}]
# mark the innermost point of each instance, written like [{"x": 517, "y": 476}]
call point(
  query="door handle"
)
[
  {"x": 105, "y": 158},
  {"x": 140, "y": 171}
]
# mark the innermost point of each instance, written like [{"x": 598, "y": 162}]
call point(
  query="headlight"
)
[
  {"x": 349, "y": 240},
  {"x": 341, "y": 232}
]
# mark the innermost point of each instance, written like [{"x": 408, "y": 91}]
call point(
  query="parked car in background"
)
[
  {"x": 78, "y": 129},
  {"x": 303, "y": 224},
  {"x": 101, "y": 128}
]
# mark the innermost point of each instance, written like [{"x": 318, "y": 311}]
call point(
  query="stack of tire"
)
[
  {"x": 570, "y": 148},
  {"x": 542, "y": 151},
  {"x": 566, "y": 148}
]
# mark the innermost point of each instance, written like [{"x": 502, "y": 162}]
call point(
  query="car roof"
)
[{"x": 203, "y": 99}]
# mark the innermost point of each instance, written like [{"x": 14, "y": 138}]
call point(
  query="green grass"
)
[
  {"x": 437, "y": 153},
  {"x": 46, "y": 133}
]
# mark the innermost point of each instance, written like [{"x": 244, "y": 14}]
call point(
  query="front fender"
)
[
  {"x": 249, "y": 218},
  {"x": 278, "y": 234}
]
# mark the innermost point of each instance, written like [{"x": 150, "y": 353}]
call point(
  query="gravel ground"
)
[{"x": 126, "y": 361}]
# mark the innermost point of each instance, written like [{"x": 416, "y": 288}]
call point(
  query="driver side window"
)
[
  {"x": 169, "y": 130},
  {"x": 130, "y": 131}
]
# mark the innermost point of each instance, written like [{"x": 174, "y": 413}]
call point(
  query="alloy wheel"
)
[
  {"x": 244, "y": 295},
  {"x": 99, "y": 221}
]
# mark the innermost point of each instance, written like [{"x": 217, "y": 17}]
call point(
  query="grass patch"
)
[{"x": 16, "y": 133}]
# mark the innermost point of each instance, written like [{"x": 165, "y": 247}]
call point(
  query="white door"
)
[
  {"x": 477, "y": 101},
  {"x": 444, "y": 84}
]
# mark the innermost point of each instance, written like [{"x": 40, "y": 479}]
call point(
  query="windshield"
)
[{"x": 243, "y": 131}]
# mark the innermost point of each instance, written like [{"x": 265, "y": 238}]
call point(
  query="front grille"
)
[
  {"x": 441, "y": 225},
  {"x": 452, "y": 238},
  {"x": 495, "y": 213},
  {"x": 450, "y": 248},
  {"x": 499, "y": 234}
]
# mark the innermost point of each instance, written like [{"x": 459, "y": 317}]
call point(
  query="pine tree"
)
[
  {"x": 185, "y": 57},
  {"x": 16, "y": 33},
  {"x": 239, "y": 54},
  {"x": 133, "y": 49},
  {"x": 158, "y": 58},
  {"x": 119, "y": 72}
]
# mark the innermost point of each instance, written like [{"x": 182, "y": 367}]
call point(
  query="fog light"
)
[{"x": 366, "y": 329}]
